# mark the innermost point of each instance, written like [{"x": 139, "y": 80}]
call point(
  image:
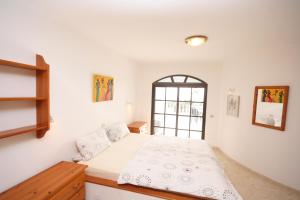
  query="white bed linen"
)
[
  {"x": 109, "y": 163},
  {"x": 185, "y": 166}
]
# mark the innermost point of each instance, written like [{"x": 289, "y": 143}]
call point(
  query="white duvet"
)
[{"x": 185, "y": 166}]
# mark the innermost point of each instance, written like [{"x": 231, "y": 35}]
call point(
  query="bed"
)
[{"x": 106, "y": 170}]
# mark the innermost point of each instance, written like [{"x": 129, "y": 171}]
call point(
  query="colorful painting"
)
[
  {"x": 102, "y": 88},
  {"x": 270, "y": 106},
  {"x": 272, "y": 95}
]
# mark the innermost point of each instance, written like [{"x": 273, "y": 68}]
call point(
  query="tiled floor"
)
[{"x": 253, "y": 186}]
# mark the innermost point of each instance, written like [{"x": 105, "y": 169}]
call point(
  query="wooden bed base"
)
[{"x": 142, "y": 190}]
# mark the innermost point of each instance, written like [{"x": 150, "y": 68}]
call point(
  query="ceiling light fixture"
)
[{"x": 196, "y": 40}]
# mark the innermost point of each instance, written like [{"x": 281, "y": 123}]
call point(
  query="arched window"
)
[{"x": 179, "y": 107}]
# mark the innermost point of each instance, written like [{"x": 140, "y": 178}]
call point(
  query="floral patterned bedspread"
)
[{"x": 184, "y": 166}]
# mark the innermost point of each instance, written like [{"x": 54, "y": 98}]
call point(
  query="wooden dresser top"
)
[
  {"x": 137, "y": 124},
  {"x": 45, "y": 184}
]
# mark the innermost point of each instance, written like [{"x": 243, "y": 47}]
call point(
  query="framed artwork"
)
[
  {"x": 103, "y": 88},
  {"x": 270, "y": 106},
  {"x": 233, "y": 104}
]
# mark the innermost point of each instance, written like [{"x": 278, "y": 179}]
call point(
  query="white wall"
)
[
  {"x": 209, "y": 72},
  {"x": 73, "y": 59},
  {"x": 272, "y": 153}
]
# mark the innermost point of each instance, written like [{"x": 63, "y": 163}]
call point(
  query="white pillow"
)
[
  {"x": 92, "y": 144},
  {"x": 116, "y": 131}
]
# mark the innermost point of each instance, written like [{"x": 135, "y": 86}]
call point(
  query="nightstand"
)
[{"x": 138, "y": 127}]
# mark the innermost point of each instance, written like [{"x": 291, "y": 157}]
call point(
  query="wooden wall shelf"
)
[
  {"x": 21, "y": 65},
  {"x": 22, "y": 99},
  {"x": 22, "y": 130},
  {"x": 42, "y": 98}
]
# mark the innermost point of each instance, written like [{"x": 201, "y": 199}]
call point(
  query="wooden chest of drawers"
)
[{"x": 63, "y": 181}]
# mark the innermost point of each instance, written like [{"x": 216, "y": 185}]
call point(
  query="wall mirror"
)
[{"x": 270, "y": 106}]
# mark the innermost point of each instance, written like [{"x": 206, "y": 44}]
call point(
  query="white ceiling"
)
[{"x": 154, "y": 30}]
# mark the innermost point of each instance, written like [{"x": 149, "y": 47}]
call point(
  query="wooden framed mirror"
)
[{"x": 270, "y": 106}]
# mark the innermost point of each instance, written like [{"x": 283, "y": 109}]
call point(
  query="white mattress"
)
[{"x": 109, "y": 163}]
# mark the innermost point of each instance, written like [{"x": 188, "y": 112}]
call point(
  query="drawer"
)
[
  {"x": 69, "y": 190},
  {"x": 80, "y": 195}
]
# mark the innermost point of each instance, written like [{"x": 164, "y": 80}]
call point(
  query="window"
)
[{"x": 179, "y": 107}]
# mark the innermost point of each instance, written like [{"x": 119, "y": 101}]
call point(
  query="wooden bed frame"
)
[{"x": 143, "y": 190}]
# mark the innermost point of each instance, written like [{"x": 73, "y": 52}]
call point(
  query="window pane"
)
[
  {"x": 158, "y": 131},
  {"x": 183, "y": 134},
  {"x": 159, "y": 106},
  {"x": 171, "y": 107},
  {"x": 158, "y": 120},
  {"x": 196, "y": 123},
  {"x": 184, "y": 108},
  {"x": 198, "y": 94},
  {"x": 185, "y": 94},
  {"x": 183, "y": 122},
  {"x": 170, "y": 132},
  {"x": 171, "y": 93},
  {"x": 166, "y": 80},
  {"x": 197, "y": 109},
  {"x": 179, "y": 79},
  {"x": 160, "y": 93},
  {"x": 170, "y": 121},
  {"x": 195, "y": 135},
  {"x": 192, "y": 80}
]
